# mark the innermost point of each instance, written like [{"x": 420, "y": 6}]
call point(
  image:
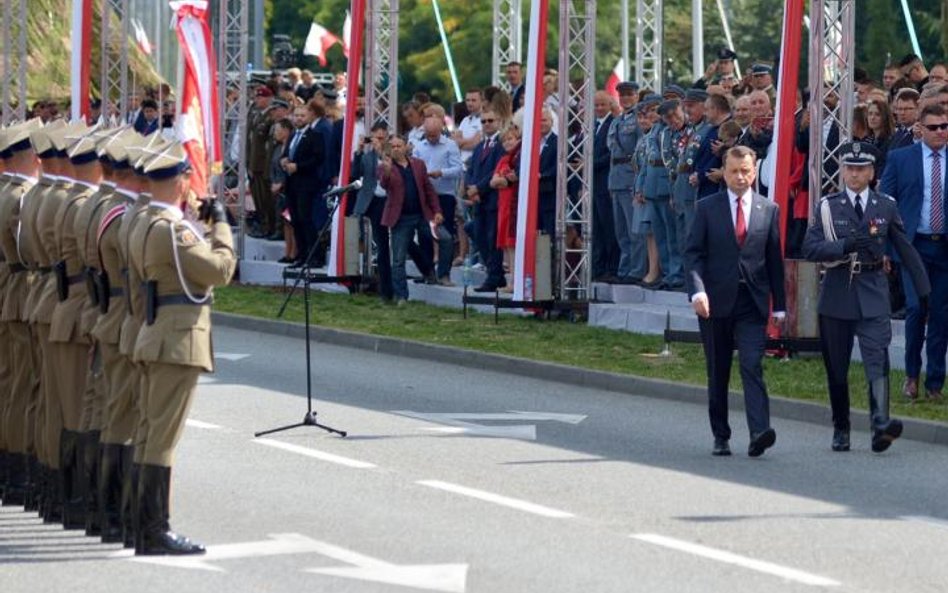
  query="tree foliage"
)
[{"x": 755, "y": 25}]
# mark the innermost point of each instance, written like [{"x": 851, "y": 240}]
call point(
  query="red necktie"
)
[
  {"x": 740, "y": 226},
  {"x": 937, "y": 211}
]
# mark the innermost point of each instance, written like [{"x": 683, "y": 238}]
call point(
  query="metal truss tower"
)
[
  {"x": 648, "y": 44},
  {"x": 233, "y": 23},
  {"x": 508, "y": 26},
  {"x": 381, "y": 94},
  {"x": 113, "y": 85},
  {"x": 574, "y": 200},
  {"x": 832, "y": 59},
  {"x": 14, "y": 44}
]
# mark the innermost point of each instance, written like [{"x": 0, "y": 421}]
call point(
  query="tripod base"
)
[{"x": 308, "y": 420}]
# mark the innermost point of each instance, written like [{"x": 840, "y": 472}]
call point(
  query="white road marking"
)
[
  {"x": 232, "y": 356},
  {"x": 935, "y": 521},
  {"x": 737, "y": 560},
  {"x": 315, "y": 454},
  {"x": 198, "y": 424},
  {"x": 514, "y": 503},
  {"x": 462, "y": 422},
  {"x": 279, "y": 544}
]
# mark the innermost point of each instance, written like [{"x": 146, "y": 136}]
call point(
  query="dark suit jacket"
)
[
  {"x": 602, "y": 157},
  {"x": 865, "y": 295},
  {"x": 145, "y": 128},
  {"x": 705, "y": 160},
  {"x": 365, "y": 165},
  {"x": 518, "y": 97},
  {"x": 548, "y": 166},
  {"x": 391, "y": 181},
  {"x": 324, "y": 127},
  {"x": 335, "y": 150},
  {"x": 714, "y": 264},
  {"x": 482, "y": 169},
  {"x": 903, "y": 179},
  {"x": 309, "y": 159}
]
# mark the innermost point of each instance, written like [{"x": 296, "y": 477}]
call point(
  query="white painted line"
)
[
  {"x": 198, "y": 424},
  {"x": 315, "y": 454},
  {"x": 231, "y": 356},
  {"x": 513, "y": 503},
  {"x": 791, "y": 574},
  {"x": 934, "y": 521}
]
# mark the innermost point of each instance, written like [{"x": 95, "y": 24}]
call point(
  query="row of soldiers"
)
[{"x": 106, "y": 285}]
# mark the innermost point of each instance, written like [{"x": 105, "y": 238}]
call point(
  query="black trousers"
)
[
  {"x": 301, "y": 217},
  {"x": 745, "y": 329},
  {"x": 605, "y": 248},
  {"x": 383, "y": 253}
]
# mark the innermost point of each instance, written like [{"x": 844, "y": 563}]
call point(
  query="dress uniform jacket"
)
[
  {"x": 17, "y": 285},
  {"x": 67, "y": 314},
  {"x": 48, "y": 251},
  {"x": 85, "y": 227},
  {"x": 31, "y": 250},
  {"x": 847, "y": 295},
  {"x": 169, "y": 250},
  {"x": 653, "y": 179},
  {"x": 108, "y": 328},
  {"x": 135, "y": 301},
  {"x": 624, "y": 134}
]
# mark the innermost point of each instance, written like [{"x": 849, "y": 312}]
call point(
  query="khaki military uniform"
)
[
  {"x": 18, "y": 334},
  {"x": 258, "y": 164},
  {"x": 177, "y": 346},
  {"x": 5, "y": 347}
]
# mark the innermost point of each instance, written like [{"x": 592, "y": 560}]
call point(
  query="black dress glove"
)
[{"x": 213, "y": 210}]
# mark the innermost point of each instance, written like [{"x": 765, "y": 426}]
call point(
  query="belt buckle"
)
[
  {"x": 936, "y": 237},
  {"x": 856, "y": 267}
]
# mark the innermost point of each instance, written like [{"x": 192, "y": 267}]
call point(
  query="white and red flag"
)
[
  {"x": 318, "y": 42},
  {"x": 615, "y": 77},
  {"x": 141, "y": 37},
  {"x": 81, "y": 60},
  {"x": 198, "y": 121},
  {"x": 346, "y": 34}
]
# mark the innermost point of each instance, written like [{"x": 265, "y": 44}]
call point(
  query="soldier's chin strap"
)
[{"x": 829, "y": 232}]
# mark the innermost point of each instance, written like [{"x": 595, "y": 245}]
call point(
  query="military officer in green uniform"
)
[{"x": 179, "y": 267}]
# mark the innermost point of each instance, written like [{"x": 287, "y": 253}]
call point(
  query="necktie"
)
[
  {"x": 859, "y": 211},
  {"x": 937, "y": 196},
  {"x": 295, "y": 143},
  {"x": 487, "y": 147},
  {"x": 740, "y": 225}
]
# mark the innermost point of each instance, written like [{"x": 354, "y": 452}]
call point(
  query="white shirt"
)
[
  {"x": 745, "y": 207},
  {"x": 469, "y": 127},
  {"x": 863, "y": 197}
]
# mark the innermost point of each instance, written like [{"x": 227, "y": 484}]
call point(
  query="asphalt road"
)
[{"x": 612, "y": 493}]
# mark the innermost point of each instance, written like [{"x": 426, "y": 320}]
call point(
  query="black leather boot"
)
[
  {"x": 90, "y": 483},
  {"x": 156, "y": 535},
  {"x": 884, "y": 429},
  {"x": 14, "y": 493},
  {"x": 110, "y": 493},
  {"x": 74, "y": 511},
  {"x": 4, "y": 472},
  {"x": 32, "y": 479},
  {"x": 53, "y": 508},
  {"x": 130, "y": 501}
]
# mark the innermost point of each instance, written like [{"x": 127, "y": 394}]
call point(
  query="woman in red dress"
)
[{"x": 506, "y": 182}]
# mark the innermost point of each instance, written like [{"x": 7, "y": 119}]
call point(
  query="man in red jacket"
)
[{"x": 412, "y": 205}]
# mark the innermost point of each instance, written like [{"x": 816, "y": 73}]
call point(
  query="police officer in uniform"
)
[
  {"x": 623, "y": 136},
  {"x": 684, "y": 192},
  {"x": 850, "y": 235},
  {"x": 179, "y": 268}
]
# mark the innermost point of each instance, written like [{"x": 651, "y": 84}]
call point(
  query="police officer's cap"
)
[
  {"x": 42, "y": 143},
  {"x": 82, "y": 149},
  {"x": 726, "y": 53},
  {"x": 858, "y": 154},
  {"x": 674, "y": 89},
  {"x": 167, "y": 164},
  {"x": 696, "y": 96},
  {"x": 758, "y": 69},
  {"x": 329, "y": 94},
  {"x": 668, "y": 106},
  {"x": 18, "y": 136},
  {"x": 649, "y": 101},
  {"x": 627, "y": 86},
  {"x": 280, "y": 103}
]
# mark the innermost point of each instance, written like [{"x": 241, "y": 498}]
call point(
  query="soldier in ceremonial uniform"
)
[
  {"x": 623, "y": 136},
  {"x": 120, "y": 411},
  {"x": 258, "y": 133},
  {"x": 684, "y": 192},
  {"x": 179, "y": 268},
  {"x": 850, "y": 235},
  {"x": 5, "y": 458},
  {"x": 21, "y": 162},
  {"x": 69, "y": 349}
]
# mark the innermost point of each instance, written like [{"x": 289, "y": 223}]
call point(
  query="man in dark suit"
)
[
  {"x": 477, "y": 179},
  {"x": 905, "y": 108},
  {"x": 514, "y": 73},
  {"x": 148, "y": 122},
  {"x": 850, "y": 234},
  {"x": 605, "y": 256},
  {"x": 915, "y": 177},
  {"x": 303, "y": 163},
  {"x": 734, "y": 267},
  {"x": 370, "y": 203},
  {"x": 549, "y": 146}
]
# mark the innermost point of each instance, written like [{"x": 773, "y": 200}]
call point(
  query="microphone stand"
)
[{"x": 309, "y": 419}]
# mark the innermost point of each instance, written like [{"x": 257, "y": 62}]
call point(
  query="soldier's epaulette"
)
[
  {"x": 886, "y": 196},
  {"x": 187, "y": 234}
]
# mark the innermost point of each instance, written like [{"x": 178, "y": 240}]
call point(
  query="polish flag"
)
[
  {"x": 318, "y": 42},
  {"x": 141, "y": 37},
  {"x": 346, "y": 34},
  {"x": 81, "y": 60},
  {"x": 615, "y": 77}
]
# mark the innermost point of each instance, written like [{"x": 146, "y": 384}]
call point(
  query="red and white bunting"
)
[
  {"x": 81, "y": 59},
  {"x": 198, "y": 122},
  {"x": 528, "y": 198}
]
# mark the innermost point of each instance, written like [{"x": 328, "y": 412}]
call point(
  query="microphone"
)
[{"x": 354, "y": 186}]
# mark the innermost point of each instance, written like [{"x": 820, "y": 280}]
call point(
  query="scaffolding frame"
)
[
  {"x": 113, "y": 85},
  {"x": 13, "y": 107},
  {"x": 233, "y": 26},
  {"x": 508, "y": 28},
  {"x": 577, "y": 87},
  {"x": 381, "y": 94},
  {"x": 832, "y": 60},
  {"x": 648, "y": 44}
]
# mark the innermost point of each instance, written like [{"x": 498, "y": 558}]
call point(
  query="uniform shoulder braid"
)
[{"x": 187, "y": 234}]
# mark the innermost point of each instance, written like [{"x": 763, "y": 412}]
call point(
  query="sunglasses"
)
[
  {"x": 936, "y": 127},
  {"x": 488, "y": 121}
]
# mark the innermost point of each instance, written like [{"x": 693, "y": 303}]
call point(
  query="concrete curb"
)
[{"x": 917, "y": 430}]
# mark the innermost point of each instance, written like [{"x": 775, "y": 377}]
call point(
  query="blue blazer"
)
[
  {"x": 903, "y": 179},
  {"x": 481, "y": 170},
  {"x": 548, "y": 169}
]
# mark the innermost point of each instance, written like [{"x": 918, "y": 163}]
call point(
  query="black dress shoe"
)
[
  {"x": 840, "y": 440},
  {"x": 721, "y": 448},
  {"x": 761, "y": 442},
  {"x": 882, "y": 439},
  {"x": 486, "y": 288}
]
